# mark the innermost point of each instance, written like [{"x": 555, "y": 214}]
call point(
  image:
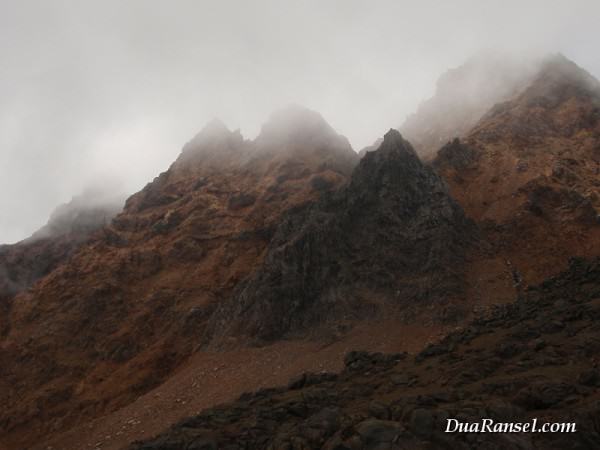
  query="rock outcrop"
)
[
  {"x": 391, "y": 236},
  {"x": 535, "y": 359}
]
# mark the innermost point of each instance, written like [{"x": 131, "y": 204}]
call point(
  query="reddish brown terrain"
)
[
  {"x": 131, "y": 304},
  {"x": 530, "y": 360},
  {"x": 249, "y": 262},
  {"x": 528, "y": 172},
  {"x": 209, "y": 378},
  {"x": 71, "y": 224}
]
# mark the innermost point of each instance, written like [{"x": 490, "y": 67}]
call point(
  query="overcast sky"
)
[{"x": 93, "y": 92}]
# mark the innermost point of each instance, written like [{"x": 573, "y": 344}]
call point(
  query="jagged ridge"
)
[
  {"x": 132, "y": 302},
  {"x": 393, "y": 233}
]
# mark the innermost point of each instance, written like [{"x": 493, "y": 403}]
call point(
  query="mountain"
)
[
  {"x": 248, "y": 262},
  {"x": 131, "y": 303},
  {"x": 528, "y": 171},
  {"x": 463, "y": 95},
  {"x": 391, "y": 236},
  {"x": 530, "y": 360},
  {"x": 238, "y": 242}
]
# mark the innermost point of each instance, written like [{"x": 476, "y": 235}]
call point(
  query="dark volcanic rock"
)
[
  {"x": 364, "y": 408},
  {"x": 392, "y": 233}
]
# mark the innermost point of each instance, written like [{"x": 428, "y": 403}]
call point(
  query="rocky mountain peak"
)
[
  {"x": 297, "y": 135},
  {"x": 529, "y": 169},
  {"x": 394, "y": 170},
  {"x": 558, "y": 66},
  {"x": 393, "y": 148},
  {"x": 392, "y": 227},
  {"x": 558, "y": 80},
  {"x": 561, "y": 100},
  {"x": 463, "y": 95}
]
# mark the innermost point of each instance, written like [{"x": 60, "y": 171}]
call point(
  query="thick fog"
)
[{"x": 97, "y": 91}]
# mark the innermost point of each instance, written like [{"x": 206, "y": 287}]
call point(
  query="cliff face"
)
[
  {"x": 529, "y": 171},
  {"x": 391, "y": 237},
  {"x": 130, "y": 304}
]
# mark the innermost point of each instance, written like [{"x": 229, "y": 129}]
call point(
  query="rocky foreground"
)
[{"x": 536, "y": 358}]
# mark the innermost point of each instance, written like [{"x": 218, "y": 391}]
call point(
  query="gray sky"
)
[{"x": 107, "y": 92}]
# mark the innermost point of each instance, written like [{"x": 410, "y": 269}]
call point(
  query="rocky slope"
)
[
  {"x": 130, "y": 304},
  {"x": 533, "y": 359},
  {"x": 528, "y": 171},
  {"x": 392, "y": 237}
]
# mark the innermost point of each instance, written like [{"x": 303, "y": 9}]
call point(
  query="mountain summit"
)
[
  {"x": 131, "y": 303},
  {"x": 529, "y": 170},
  {"x": 296, "y": 123},
  {"x": 463, "y": 95},
  {"x": 296, "y": 132}
]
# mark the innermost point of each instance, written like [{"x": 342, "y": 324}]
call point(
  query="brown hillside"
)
[
  {"x": 529, "y": 172},
  {"x": 535, "y": 359},
  {"x": 130, "y": 305}
]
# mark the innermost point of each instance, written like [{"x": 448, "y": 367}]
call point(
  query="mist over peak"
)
[
  {"x": 119, "y": 88},
  {"x": 464, "y": 94},
  {"x": 297, "y": 132},
  {"x": 216, "y": 127},
  {"x": 255, "y": 247},
  {"x": 84, "y": 213},
  {"x": 296, "y": 123},
  {"x": 214, "y": 134},
  {"x": 556, "y": 71}
]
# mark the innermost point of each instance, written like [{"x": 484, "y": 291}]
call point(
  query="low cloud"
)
[{"x": 96, "y": 88}]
